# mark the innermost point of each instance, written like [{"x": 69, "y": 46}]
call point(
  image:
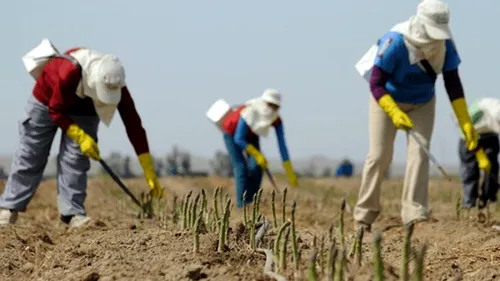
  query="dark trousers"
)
[{"x": 470, "y": 173}]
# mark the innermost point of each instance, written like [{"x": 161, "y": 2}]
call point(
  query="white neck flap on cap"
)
[
  {"x": 87, "y": 59},
  {"x": 420, "y": 46},
  {"x": 259, "y": 116}
]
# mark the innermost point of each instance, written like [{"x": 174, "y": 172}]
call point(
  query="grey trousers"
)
[{"x": 36, "y": 134}]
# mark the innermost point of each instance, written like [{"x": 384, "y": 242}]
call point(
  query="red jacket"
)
[
  {"x": 56, "y": 88},
  {"x": 230, "y": 122}
]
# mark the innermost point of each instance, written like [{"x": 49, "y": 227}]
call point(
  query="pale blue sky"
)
[{"x": 180, "y": 56}]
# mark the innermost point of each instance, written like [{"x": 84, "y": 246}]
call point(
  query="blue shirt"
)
[
  {"x": 242, "y": 130},
  {"x": 409, "y": 83}
]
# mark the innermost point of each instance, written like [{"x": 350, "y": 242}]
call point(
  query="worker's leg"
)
[
  {"x": 416, "y": 182},
  {"x": 255, "y": 175},
  {"x": 469, "y": 175},
  {"x": 72, "y": 168},
  {"x": 239, "y": 168},
  {"x": 381, "y": 140},
  {"x": 490, "y": 184},
  {"x": 36, "y": 133}
]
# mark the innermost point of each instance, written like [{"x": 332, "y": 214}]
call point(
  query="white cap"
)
[
  {"x": 110, "y": 79},
  {"x": 272, "y": 96},
  {"x": 435, "y": 16}
]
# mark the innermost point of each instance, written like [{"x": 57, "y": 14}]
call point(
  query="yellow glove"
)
[
  {"x": 292, "y": 178},
  {"x": 87, "y": 144},
  {"x": 259, "y": 158},
  {"x": 400, "y": 119},
  {"x": 463, "y": 117},
  {"x": 483, "y": 161},
  {"x": 147, "y": 165}
]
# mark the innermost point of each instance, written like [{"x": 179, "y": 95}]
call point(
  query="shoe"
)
[
  {"x": 78, "y": 221},
  {"x": 8, "y": 217}
]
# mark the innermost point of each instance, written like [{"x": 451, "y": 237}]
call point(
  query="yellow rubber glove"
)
[
  {"x": 292, "y": 177},
  {"x": 400, "y": 119},
  {"x": 87, "y": 144},
  {"x": 147, "y": 165},
  {"x": 483, "y": 161},
  {"x": 259, "y": 158},
  {"x": 463, "y": 117}
]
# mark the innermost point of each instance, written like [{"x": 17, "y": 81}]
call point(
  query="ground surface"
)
[{"x": 118, "y": 246}]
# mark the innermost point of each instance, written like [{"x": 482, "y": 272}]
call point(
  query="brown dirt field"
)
[{"x": 118, "y": 246}]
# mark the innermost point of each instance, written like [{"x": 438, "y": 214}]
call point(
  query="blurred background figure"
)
[
  {"x": 345, "y": 169},
  {"x": 485, "y": 114}
]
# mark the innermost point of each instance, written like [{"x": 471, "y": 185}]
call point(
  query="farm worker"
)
[
  {"x": 241, "y": 130},
  {"x": 73, "y": 92},
  {"x": 485, "y": 115},
  {"x": 402, "y": 85}
]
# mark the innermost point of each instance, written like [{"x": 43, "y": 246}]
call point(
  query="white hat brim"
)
[
  {"x": 107, "y": 95},
  {"x": 438, "y": 31}
]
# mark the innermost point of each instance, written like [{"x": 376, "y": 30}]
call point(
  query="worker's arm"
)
[
  {"x": 389, "y": 53},
  {"x": 280, "y": 135},
  {"x": 454, "y": 88},
  {"x": 241, "y": 133},
  {"x": 137, "y": 136},
  {"x": 133, "y": 123},
  {"x": 287, "y": 164},
  {"x": 455, "y": 91},
  {"x": 451, "y": 78}
]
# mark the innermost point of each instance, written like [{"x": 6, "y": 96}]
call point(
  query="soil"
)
[{"x": 117, "y": 245}]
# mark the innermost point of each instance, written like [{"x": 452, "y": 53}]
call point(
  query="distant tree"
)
[
  {"x": 310, "y": 171},
  {"x": 159, "y": 166},
  {"x": 221, "y": 164},
  {"x": 327, "y": 172},
  {"x": 126, "y": 171},
  {"x": 115, "y": 162},
  {"x": 172, "y": 159},
  {"x": 177, "y": 159},
  {"x": 3, "y": 174},
  {"x": 185, "y": 159}
]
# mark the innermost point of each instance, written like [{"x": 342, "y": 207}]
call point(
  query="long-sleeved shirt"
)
[
  {"x": 452, "y": 83},
  {"x": 56, "y": 88},
  {"x": 236, "y": 126},
  {"x": 392, "y": 73}
]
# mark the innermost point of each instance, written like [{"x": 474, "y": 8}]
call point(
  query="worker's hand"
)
[
  {"x": 155, "y": 188},
  {"x": 259, "y": 158},
  {"x": 463, "y": 117},
  {"x": 399, "y": 118},
  {"x": 471, "y": 137},
  {"x": 87, "y": 144},
  {"x": 146, "y": 161},
  {"x": 483, "y": 161},
  {"x": 292, "y": 177}
]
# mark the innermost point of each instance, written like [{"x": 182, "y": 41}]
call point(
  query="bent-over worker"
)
[
  {"x": 74, "y": 91},
  {"x": 241, "y": 130},
  {"x": 485, "y": 115},
  {"x": 402, "y": 85}
]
